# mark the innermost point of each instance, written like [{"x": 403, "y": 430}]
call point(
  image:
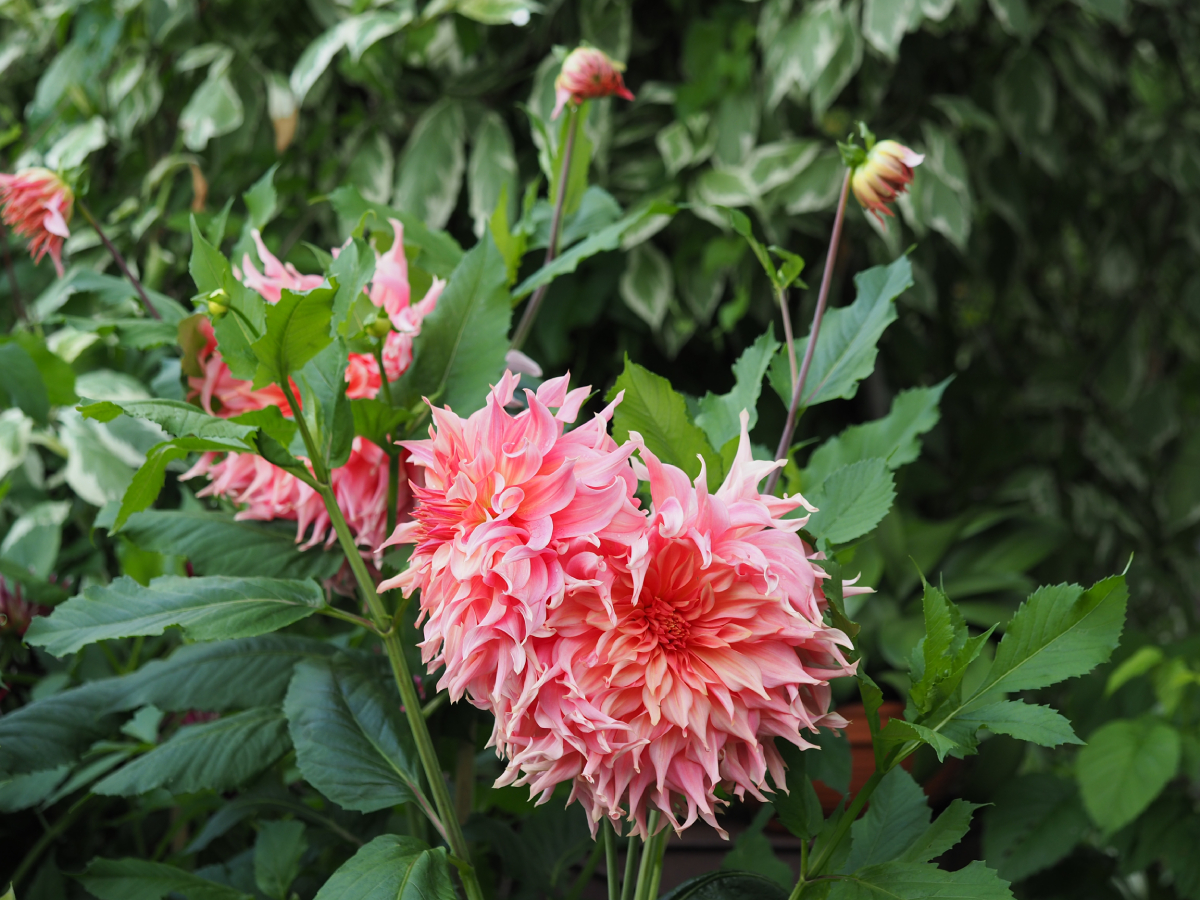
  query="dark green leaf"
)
[
  {"x": 946, "y": 831},
  {"x": 897, "y": 816},
  {"x": 1024, "y": 721},
  {"x": 719, "y": 416},
  {"x": 277, "y": 853},
  {"x": 57, "y": 374},
  {"x": 352, "y": 743},
  {"x": 140, "y": 879},
  {"x": 917, "y": 881},
  {"x": 392, "y": 867},
  {"x": 56, "y": 729},
  {"x": 461, "y": 348},
  {"x": 270, "y": 420},
  {"x": 21, "y": 381},
  {"x": 206, "y": 608},
  {"x": 728, "y": 886},
  {"x": 351, "y": 270},
  {"x": 322, "y": 384},
  {"x": 752, "y": 852},
  {"x": 798, "y": 809},
  {"x": 243, "y": 324},
  {"x": 173, "y": 416},
  {"x": 653, "y": 409},
  {"x": 216, "y": 756},
  {"x": 1037, "y": 820},
  {"x": 375, "y": 419}
]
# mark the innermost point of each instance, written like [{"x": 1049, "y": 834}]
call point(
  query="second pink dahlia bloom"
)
[
  {"x": 673, "y": 665},
  {"x": 37, "y": 205},
  {"x": 504, "y": 496}
]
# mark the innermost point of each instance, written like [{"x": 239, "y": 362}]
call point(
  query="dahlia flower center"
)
[{"x": 667, "y": 625}]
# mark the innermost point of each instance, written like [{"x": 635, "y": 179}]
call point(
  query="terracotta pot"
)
[{"x": 862, "y": 757}]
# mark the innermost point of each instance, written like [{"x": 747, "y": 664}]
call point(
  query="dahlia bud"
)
[
  {"x": 883, "y": 174},
  {"x": 37, "y": 205},
  {"x": 379, "y": 328},
  {"x": 218, "y": 303},
  {"x": 588, "y": 73}
]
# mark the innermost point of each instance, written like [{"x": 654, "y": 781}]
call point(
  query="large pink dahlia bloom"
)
[
  {"x": 504, "y": 496},
  {"x": 671, "y": 667}
]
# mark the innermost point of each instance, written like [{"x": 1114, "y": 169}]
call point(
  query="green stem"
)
[
  {"x": 117, "y": 257},
  {"x": 395, "y": 652},
  {"x": 48, "y": 837},
  {"x": 843, "y": 826},
  {"x": 585, "y": 876},
  {"x": 535, "y": 302},
  {"x": 610, "y": 858},
  {"x": 334, "y": 613},
  {"x": 631, "y": 861},
  {"x": 650, "y": 857}
]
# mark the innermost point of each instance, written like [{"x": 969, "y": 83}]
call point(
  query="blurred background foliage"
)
[{"x": 1054, "y": 231}]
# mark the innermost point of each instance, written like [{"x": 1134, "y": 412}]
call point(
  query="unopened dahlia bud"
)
[
  {"x": 380, "y": 328},
  {"x": 588, "y": 73},
  {"x": 218, "y": 303},
  {"x": 883, "y": 175},
  {"x": 37, "y": 205}
]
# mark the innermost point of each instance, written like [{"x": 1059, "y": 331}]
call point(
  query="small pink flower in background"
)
[
  {"x": 883, "y": 176},
  {"x": 219, "y": 393},
  {"x": 503, "y": 497},
  {"x": 37, "y": 205},
  {"x": 15, "y": 611},
  {"x": 398, "y": 345},
  {"x": 362, "y": 376},
  {"x": 275, "y": 276},
  {"x": 670, "y": 669},
  {"x": 588, "y": 73}
]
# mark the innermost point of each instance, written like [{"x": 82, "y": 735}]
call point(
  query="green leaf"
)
[
  {"x": 752, "y": 852},
  {"x": 24, "y": 791},
  {"x": 173, "y": 416},
  {"x": 847, "y": 343},
  {"x": 215, "y": 543},
  {"x": 430, "y": 173},
  {"x": 140, "y": 879},
  {"x": 53, "y": 731},
  {"x": 277, "y": 853},
  {"x": 150, "y": 477},
  {"x": 852, "y": 501},
  {"x": 1014, "y": 16},
  {"x": 22, "y": 382},
  {"x": 375, "y": 420},
  {"x": 1142, "y": 661},
  {"x": 841, "y": 68},
  {"x": 605, "y": 239},
  {"x": 1036, "y": 821},
  {"x": 392, "y": 867},
  {"x": 262, "y": 200},
  {"x": 884, "y": 23},
  {"x": 217, "y": 676},
  {"x": 652, "y": 408},
  {"x": 798, "y": 809},
  {"x": 439, "y": 252},
  {"x": 648, "y": 285},
  {"x": 719, "y": 416},
  {"x": 491, "y": 171},
  {"x": 1024, "y": 721},
  {"x": 213, "y": 110},
  {"x": 211, "y": 756},
  {"x": 1060, "y": 632},
  {"x": 206, "y": 608},
  {"x": 352, "y": 742},
  {"x": 1124, "y": 766},
  {"x": 728, "y": 886},
  {"x": 897, "y": 816},
  {"x": 803, "y": 48},
  {"x": 460, "y": 351},
  {"x": 34, "y": 538},
  {"x": 498, "y": 12},
  {"x": 898, "y": 731},
  {"x": 894, "y": 438},
  {"x": 917, "y": 881},
  {"x": 832, "y": 765},
  {"x": 351, "y": 270},
  {"x": 270, "y": 420},
  {"x": 741, "y": 224},
  {"x": 946, "y": 831},
  {"x": 322, "y": 384},
  {"x": 943, "y": 626},
  {"x": 243, "y": 325},
  {"x": 297, "y": 329}
]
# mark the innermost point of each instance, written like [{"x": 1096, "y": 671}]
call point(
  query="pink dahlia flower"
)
[
  {"x": 37, "y": 205},
  {"x": 219, "y": 393},
  {"x": 588, "y": 73},
  {"x": 883, "y": 176},
  {"x": 671, "y": 667},
  {"x": 503, "y": 498},
  {"x": 275, "y": 276}
]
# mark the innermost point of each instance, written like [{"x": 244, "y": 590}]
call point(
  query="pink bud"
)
[
  {"x": 883, "y": 176},
  {"x": 588, "y": 73}
]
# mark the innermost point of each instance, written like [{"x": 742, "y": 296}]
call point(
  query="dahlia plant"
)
[{"x": 651, "y": 609}]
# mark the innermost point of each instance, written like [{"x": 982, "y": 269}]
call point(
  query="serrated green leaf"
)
[
  {"x": 653, "y": 409},
  {"x": 352, "y": 742},
  {"x": 216, "y": 756},
  {"x": 894, "y": 438},
  {"x": 140, "y": 879},
  {"x": 460, "y": 351},
  {"x": 719, "y": 415},
  {"x": 1124, "y": 766},
  {"x": 439, "y": 253},
  {"x": 269, "y": 419},
  {"x": 150, "y": 477},
  {"x": 174, "y": 416},
  {"x": 917, "y": 881},
  {"x": 1060, "y": 632},
  {"x": 206, "y": 608},
  {"x": 940, "y": 633},
  {"x": 216, "y": 543},
  {"x": 1024, "y": 721},
  {"x": 897, "y": 816},
  {"x": 852, "y": 501},
  {"x": 322, "y": 383},
  {"x": 898, "y": 731},
  {"x": 53, "y": 731},
  {"x": 728, "y": 886},
  {"x": 351, "y": 270},
  {"x": 277, "y": 853},
  {"x": 392, "y": 867},
  {"x": 297, "y": 329},
  {"x": 946, "y": 831},
  {"x": 243, "y": 324},
  {"x": 1036, "y": 821},
  {"x": 375, "y": 420}
]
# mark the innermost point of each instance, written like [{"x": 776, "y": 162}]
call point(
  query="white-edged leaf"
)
[
  {"x": 648, "y": 284},
  {"x": 429, "y": 175}
]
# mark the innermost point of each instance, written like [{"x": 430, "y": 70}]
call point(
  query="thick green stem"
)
[
  {"x": 631, "y": 862},
  {"x": 651, "y": 859},
  {"x": 843, "y": 826},
  {"x": 610, "y": 858},
  {"x": 535, "y": 302}
]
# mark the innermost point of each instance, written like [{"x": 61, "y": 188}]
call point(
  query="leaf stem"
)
[
  {"x": 116, "y": 255},
  {"x": 448, "y": 823},
  {"x": 782, "y": 297},
  {"x": 49, "y": 837},
  {"x": 535, "y": 302},
  {"x": 785, "y": 439},
  {"x": 843, "y": 826}
]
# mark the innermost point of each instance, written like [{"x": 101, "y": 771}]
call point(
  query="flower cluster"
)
[
  {"x": 645, "y": 656},
  {"x": 37, "y": 205},
  {"x": 266, "y": 492}
]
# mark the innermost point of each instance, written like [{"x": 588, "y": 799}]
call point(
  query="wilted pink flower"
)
[
  {"x": 588, "y": 73},
  {"x": 15, "y": 611},
  {"x": 37, "y": 205},
  {"x": 275, "y": 276},
  {"x": 503, "y": 496},
  {"x": 883, "y": 176},
  {"x": 671, "y": 669}
]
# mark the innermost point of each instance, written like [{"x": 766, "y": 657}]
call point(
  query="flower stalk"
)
[
  {"x": 447, "y": 820},
  {"x": 117, "y": 257},
  {"x": 535, "y": 302},
  {"x": 789, "y": 428}
]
